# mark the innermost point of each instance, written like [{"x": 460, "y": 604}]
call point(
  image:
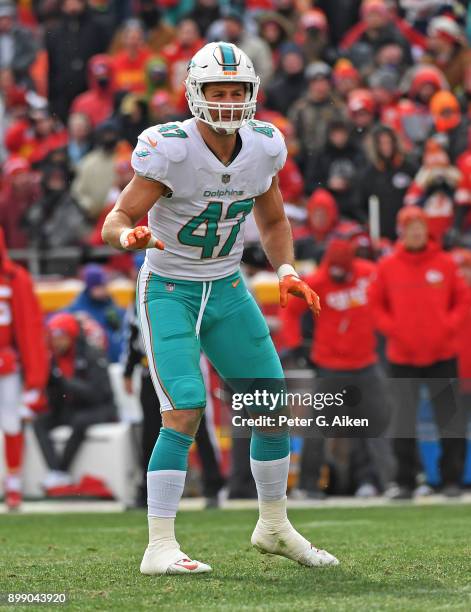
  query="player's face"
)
[{"x": 225, "y": 93}]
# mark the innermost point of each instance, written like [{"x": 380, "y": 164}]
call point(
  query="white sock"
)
[
  {"x": 164, "y": 491},
  {"x": 271, "y": 478},
  {"x": 13, "y": 482}
]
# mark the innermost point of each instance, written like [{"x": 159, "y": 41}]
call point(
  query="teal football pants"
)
[{"x": 181, "y": 318}]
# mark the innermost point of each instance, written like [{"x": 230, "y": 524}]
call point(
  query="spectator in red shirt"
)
[
  {"x": 344, "y": 344},
  {"x": 419, "y": 302},
  {"x": 129, "y": 64},
  {"x": 178, "y": 53},
  {"x": 97, "y": 101}
]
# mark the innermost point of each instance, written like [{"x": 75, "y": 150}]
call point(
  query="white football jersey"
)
[{"x": 201, "y": 222}]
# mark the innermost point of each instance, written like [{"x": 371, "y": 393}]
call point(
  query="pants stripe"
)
[{"x": 146, "y": 330}]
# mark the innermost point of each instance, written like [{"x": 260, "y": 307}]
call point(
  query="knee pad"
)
[{"x": 187, "y": 392}]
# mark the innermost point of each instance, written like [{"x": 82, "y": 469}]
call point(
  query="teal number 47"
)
[{"x": 210, "y": 217}]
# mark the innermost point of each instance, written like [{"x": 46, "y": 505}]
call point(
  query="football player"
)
[{"x": 198, "y": 180}]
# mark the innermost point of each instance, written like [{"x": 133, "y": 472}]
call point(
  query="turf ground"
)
[{"x": 392, "y": 558}]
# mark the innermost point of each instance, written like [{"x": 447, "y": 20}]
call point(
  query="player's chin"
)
[{"x": 222, "y": 131}]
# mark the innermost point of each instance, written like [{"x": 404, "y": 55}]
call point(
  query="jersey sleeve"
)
[
  {"x": 150, "y": 160},
  {"x": 275, "y": 150},
  {"x": 282, "y": 154}
]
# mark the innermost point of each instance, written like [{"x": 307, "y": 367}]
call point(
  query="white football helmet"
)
[{"x": 215, "y": 63}]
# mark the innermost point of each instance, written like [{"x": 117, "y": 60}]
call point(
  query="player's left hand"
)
[{"x": 295, "y": 286}]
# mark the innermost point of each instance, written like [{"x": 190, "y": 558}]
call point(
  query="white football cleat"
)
[
  {"x": 156, "y": 562},
  {"x": 287, "y": 542}
]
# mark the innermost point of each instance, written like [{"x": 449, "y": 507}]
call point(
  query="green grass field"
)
[{"x": 392, "y": 558}]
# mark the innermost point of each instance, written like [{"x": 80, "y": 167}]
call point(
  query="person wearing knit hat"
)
[
  {"x": 98, "y": 303},
  {"x": 447, "y": 49},
  {"x": 445, "y": 110},
  {"x": 419, "y": 302},
  {"x": 79, "y": 395},
  {"x": 378, "y": 28},
  {"x": 450, "y": 126},
  {"x": 346, "y": 77},
  {"x": 313, "y": 35},
  {"x": 288, "y": 84},
  {"x": 313, "y": 111},
  {"x": 21, "y": 186}
]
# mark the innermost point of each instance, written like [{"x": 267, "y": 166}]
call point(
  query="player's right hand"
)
[{"x": 139, "y": 238}]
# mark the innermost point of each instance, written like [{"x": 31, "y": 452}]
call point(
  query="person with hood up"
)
[
  {"x": 388, "y": 176},
  {"x": 23, "y": 364},
  {"x": 314, "y": 37},
  {"x": 449, "y": 125},
  {"x": 79, "y": 395},
  {"x": 55, "y": 220},
  {"x": 323, "y": 223},
  {"x": 156, "y": 76},
  {"x": 96, "y": 301},
  {"x": 419, "y": 302},
  {"x": 97, "y": 101},
  {"x": 339, "y": 147},
  {"x": 275, "y": 30},
  {"x": 344, "y": 345},
  {"x": 19, "y": 191}
]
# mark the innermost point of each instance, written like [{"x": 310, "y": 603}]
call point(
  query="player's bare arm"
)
[
  {"x": 133, "y": 203},
  {"x": 277, "y": 242}
]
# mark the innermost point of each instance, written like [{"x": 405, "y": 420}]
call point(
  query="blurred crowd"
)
[{"x": 373, "y": 98}]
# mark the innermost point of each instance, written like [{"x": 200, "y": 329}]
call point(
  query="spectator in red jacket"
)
[
  {"x": 344, "y": 346},
  {"x": 19, "y": 191},
  {"x": 97, "y": 101},
  {"x": 419, "y": 302},
  {"x": 23, "y": 364},
  {"x": 323, "y": 223}
]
